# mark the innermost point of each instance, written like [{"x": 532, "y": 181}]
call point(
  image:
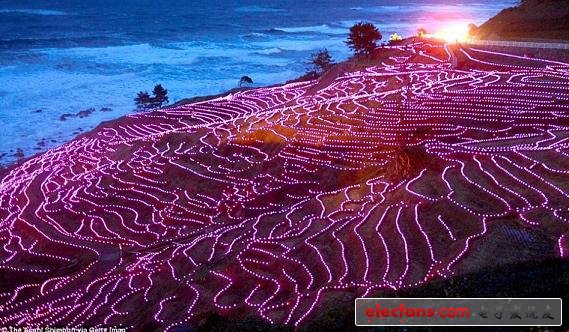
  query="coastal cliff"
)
[{"x": 530, "y": 20}]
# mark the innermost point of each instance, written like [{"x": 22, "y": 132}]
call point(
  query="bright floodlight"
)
[{"x": 453, "y": 33}]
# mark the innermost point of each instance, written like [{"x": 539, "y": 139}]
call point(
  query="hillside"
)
[
  {"x": 276, "y": 202},
  {"x": 530, "y": 20}
]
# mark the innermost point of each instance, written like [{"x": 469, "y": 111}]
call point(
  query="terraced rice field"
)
[{"x": 271, "y": 201}]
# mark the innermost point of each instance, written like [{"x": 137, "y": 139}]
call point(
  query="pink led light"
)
[{"x": 269, "y": 200}]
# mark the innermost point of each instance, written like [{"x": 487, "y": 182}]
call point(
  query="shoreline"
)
[
  {"x": 549, "y": 54},
  {"x": 5, "y": 168},
  {"x": 9, "y": 154}
]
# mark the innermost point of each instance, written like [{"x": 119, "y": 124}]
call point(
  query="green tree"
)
[
  {"x": 363, "y": 38},
  {"x": 143, "y": 101},
  {"x": 245, "y": 80},
  {"x": 321, "y": 61},
  {"x": 160, "y": 96}
]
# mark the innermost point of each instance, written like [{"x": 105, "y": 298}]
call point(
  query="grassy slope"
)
[
  {"x": 545, "y": 279},
  {"x": 484, "y": 273},
  {"x": 531, "y": 20}
]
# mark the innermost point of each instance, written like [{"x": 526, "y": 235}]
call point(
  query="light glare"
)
[{"x": 453, "y": 33}]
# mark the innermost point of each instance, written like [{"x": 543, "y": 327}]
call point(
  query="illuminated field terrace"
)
[{"x": 272, "y": 201}]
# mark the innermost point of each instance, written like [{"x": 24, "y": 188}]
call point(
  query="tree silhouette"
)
[
  {"x": 245, "y": 80},
  {"x": 321, "y": 61},
  {"x": 160, "y": 95},
  {"x": 363, "y": 38},
  {"x": 144, "y": 101}
]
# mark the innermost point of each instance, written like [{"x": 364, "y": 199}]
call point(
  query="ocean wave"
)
[
  {"x": 43, "y": 12},
  {"x": 258, "y": 9},
  {"x": 266, "y": 78},
  {"x": 39, "y": 42},
  {"x": 254, "y": 35},
  {"x": 138, "y": 54},
  {"x": 173, "y": 55},
  {"x": 286, "y": 45},
  {"x": 269, "y": 51},
  {"x": 323, "y": 29}
]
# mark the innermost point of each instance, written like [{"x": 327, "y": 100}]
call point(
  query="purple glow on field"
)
[{"x": 269, "y": 201}]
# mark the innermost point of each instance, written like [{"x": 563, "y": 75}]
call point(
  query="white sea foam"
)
[
  {"x": 258, "y": 9},
  {"x": 175, "y": 54},
  {"x": 255, "y": 35},
  {"x": 68, "y": 80},
  {"x": 324, "y": 28},
  {"x": 268, "y": 51},
  {"x": 304, "y": 44},
  {"x": 45, "y": 12}
]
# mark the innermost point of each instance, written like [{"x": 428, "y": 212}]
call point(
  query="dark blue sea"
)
[{"x": 66, "y": 56}]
